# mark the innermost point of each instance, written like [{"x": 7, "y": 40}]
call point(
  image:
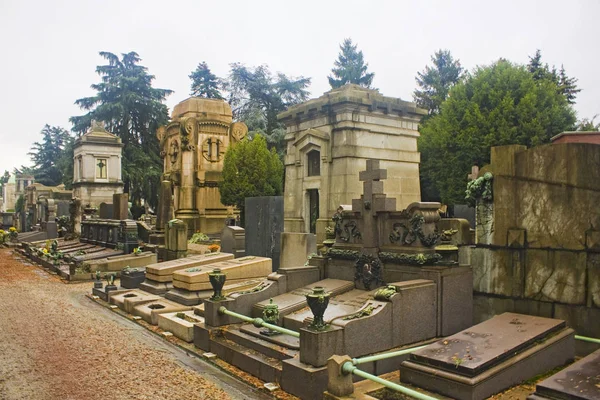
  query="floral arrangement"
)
[
  {"x": 213, "y": 248},
  {"x": 137, "y": 251}
]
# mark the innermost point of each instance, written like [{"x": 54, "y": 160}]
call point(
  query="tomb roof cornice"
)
[{"x": 354, "y": 95}]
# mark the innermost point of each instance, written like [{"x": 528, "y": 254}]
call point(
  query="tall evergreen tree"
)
[
  {"x": 567, "y": 86},
  {"x": 46, "y": 154},
  {"x": 435, "y": 81},
  {"x": 205, "y": 83},
  {"x": 350, "y": 67},
  {"x": 497, "y": 105},
  {"x": 3, "y": 179},
  {"x": 249, "y": 170},
  {"x": 257, "y": 97},
  {"x": 131, "y": 109}
]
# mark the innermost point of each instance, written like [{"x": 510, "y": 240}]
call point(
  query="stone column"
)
[
  {"x": 186, "y": 207},
  {"x": 120, "y": 206},
  {"x": 176, "y": 239},
  {"x": 165, "y": 213}
]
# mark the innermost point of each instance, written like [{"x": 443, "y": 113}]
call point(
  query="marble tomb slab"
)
[
  {"x": 149, "y": 311},
  {"x": 182, "y": 328},
  {"x": 491, "y": 356},
  {"x": 579, "y": 381}
]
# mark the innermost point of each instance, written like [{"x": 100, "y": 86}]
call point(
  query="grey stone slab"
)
[
  {"x": 542, "y": 356},
  {"x": 579, "y": 381},
  {"x": 233, "y": 240},
  {"x": 487, "y": 344},
  {"x": 296, "y": 299},
  {"x": 105, "y": 210},
  {"x": 264, "y": 224},
  {"x": 414, "y": 311},
  {"x": 339, "y": 306},
  {"x": 158, "y": 288}
]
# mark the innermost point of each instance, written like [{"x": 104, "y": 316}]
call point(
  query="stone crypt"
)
[
  {"x": 193, "y": 146},
  {"x": 328, "y": 141}
]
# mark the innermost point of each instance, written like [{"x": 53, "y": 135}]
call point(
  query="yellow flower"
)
[
  {"x": 2, "y": 232},
  {"x": 12, "y": 229},
  {"x": 45, "y": 251}
]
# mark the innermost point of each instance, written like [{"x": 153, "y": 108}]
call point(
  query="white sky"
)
[{"x": 50, "y": 48}]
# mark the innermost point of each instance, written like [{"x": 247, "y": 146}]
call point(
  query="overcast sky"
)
[{"x": 50, "y": 48}]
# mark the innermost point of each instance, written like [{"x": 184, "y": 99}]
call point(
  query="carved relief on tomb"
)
[
  {"x": 213, "y": 149},
  {"x": 173, "y": 151},
  {"x": 188, "y": 128},
  {"x": 238, "y": 130}
]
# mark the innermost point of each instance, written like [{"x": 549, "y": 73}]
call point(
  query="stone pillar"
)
[
  {"x": 186, "y": 207},
  {"x": 233, "y": 240},
  {"x": 317, "y": 346},
  {"x": 165, "y": 212},
  {"x": 338, "y": 383},
  {"x": 128, "y": 237},
  {"x": 120, "y": 206},
  {"x": 176, "y": 239},
  {"x": 75, "y": 213}
]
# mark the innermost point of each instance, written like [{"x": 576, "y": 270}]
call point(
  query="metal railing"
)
[
  {"x": 258, "y": 322},
  {"x": 587, "y": 339},
  {"x": 349, "y": 368},
  {"x": 383, "y": 356}
]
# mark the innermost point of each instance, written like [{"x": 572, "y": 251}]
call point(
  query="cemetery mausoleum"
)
[{"x": 328, "y": 141}]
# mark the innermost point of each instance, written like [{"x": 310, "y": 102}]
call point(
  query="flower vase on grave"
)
[
  {"x": 110, "y": 279},
  {"x": 97, "y": 280},
  {"x": 318, "y": 301},
  {"x": 217, "y": 281},
  {"x": 270, "y": 315}
]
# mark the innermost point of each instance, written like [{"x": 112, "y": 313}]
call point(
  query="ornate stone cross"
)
[
  {"x": 372, "y": 184},
  {"x": 474, "y": 173}
]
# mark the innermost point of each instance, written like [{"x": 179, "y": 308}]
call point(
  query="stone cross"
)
[
  {"x": 372, "y": 183},
  {"x": 474, "y": 173}
]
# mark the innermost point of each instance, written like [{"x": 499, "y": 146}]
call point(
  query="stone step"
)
[
  {"x": 296, "y": 299},
  {"x": 249, "y": 336},
  {"x": 263, "y": 367}
]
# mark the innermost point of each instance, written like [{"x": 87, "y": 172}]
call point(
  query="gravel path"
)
[{"x": 57, "y": 344}]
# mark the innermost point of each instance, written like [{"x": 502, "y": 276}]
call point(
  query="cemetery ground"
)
[{"x": 55, "y": 343}]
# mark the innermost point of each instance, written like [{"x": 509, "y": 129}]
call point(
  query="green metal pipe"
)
[
  {"x": 348, "y": 368},
  {"x": 258, "y": 322},
  {"x": 378, "y": 357},
  {"x": 587, "y": 339}
]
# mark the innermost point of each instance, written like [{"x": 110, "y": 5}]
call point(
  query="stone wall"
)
[{"x": 538, "y": 243}]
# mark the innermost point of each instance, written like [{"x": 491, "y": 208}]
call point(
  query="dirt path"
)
[{"x": 57, "y": 344}]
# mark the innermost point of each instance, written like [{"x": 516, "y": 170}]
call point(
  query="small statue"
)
[{"x": 337, "y": 219}]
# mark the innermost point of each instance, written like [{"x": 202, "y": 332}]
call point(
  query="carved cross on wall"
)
[
  {"x": 474, "y": 173},
  {"x": 372, "y": 183},
  {"x": 101, "y": 164}
]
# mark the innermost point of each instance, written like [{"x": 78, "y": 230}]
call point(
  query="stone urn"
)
[
  {"x": 97, "y": 280},
  {"x": 270, "y": 315},
  {"x": 110, "y": 279},
  {"x": 217, "y": 281},
  {"x": 318, "y": 301}
]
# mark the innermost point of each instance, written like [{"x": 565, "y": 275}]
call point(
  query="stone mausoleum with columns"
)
[
  {"x": 329, "y": 140},
  {"x": 193, "y": 147}
]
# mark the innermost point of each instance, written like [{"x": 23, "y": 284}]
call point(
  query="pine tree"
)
[
  {"x": 205, "y": 83},
  {"x": 435, "y": 82},
  {"x": 350, "y": 67},
  {"x": 46, "y": 154},
  {"x": 131, "y": 109},
  {"x": 257, "y": 97},
  {"x": 566, "y": 85}
]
